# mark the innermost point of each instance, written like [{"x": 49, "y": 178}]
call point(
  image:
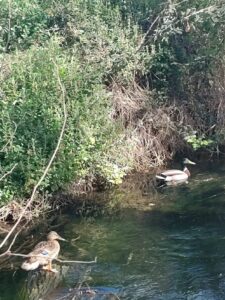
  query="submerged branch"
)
[{"x": 77, "y": 261}]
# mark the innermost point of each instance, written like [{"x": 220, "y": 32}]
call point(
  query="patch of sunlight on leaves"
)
[{"x": 198, "y": 142}]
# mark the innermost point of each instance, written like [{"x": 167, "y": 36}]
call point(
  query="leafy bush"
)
[
  {"x": 31, "y": 119},
  {"x": 198, "y": 142}
]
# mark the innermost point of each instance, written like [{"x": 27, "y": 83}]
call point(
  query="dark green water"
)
[{"x": 170, "y": 244}]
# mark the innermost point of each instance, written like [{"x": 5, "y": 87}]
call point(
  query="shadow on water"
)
[{"x": 157, "y": 244}]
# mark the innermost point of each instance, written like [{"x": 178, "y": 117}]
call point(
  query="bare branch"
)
[
  {"x": 13, "y": 241},
  {"x": 147, "y": 33},
  {"x": 9, "y": 172},
  {"x": 206, "y": 9},
  {"x": 9, "y": 25},
  {"x": 10, "y": 139},
  {"x": 77, "y": 261},
  {"x": 9, "y": 253}
]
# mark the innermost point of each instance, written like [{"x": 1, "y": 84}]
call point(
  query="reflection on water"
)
[{"x": 171, "y": 249}]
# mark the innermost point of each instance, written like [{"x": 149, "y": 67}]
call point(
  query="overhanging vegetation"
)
[{"x": 143, "y": 80}]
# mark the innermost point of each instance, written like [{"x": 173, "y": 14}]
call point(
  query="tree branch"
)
[
  {"x": 147, "y": 33},
  {"x": 9, "y": 25},
  {"x": 10, "y": 246},
  {"x": 9, "y": 253},
  {"x": 9, "y": 172},
  {"x": 206, "y": 9}
]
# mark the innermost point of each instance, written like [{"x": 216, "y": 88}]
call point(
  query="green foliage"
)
[
  {"x": 198, "y": 142},
  {"x": 186, "y": 41},
  {"x": 92, "y": 46},
  {"x": 31, "y": 119},
  {"x": 21, "y": 24}
]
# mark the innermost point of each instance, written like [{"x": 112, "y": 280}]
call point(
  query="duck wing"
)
[
  {"x": 39, "y": 256},
  {"x": 171, "y": 172},
  {"x": 41, "y": 248},
  {"x": 46, "y": 249}
]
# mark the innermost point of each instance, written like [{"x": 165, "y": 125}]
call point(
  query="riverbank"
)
[
  {"x": 109, "y": 87},
  {"x": 85, "y": 200}
]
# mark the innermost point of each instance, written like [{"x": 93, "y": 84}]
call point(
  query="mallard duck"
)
[
  {"x": 176, "y": 175},
  {"x": 44, "y": 253}
]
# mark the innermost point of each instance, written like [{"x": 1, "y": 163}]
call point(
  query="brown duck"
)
[{"x": 43, "y": 254}]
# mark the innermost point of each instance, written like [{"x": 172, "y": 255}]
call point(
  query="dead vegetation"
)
[
  {"x": 152, "y": 132},
  {"x": 218, "y": 87}
]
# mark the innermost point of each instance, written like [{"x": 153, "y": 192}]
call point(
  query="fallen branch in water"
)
[
  {"x": 9, "y": 253},
  {"x": 77, "y": 261}
]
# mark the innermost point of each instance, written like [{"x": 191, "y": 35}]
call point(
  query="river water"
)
[{"x": 156, "y": 243}]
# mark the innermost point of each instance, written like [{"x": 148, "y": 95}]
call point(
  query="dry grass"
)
[
  {"x": 155, "y": 132},
  {"x": 10, "y": 212},
  {"x": 152, "y": 133},
  {"x": 219, "y": 92}
]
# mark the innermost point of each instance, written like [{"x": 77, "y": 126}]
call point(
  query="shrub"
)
[{"x": 31, "y": 119}]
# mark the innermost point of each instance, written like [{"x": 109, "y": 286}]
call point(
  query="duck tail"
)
[
  {"x": 160, "y": 177},
  {"x": 28, "y": 266}
]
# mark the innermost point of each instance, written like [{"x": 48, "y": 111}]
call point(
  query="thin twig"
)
[
  {"x": 13, "y": 241},
  {"x": 77, "y": 238},
  {"x": 9, "y": 172},
  {"x": 9, "y": 253},
  {"x": 206, "y": 9},
  {"x": 117, "y": 297},
  {"x": 147, "y": 33},
  {"x": 10, "y": 139},
  {"x": 77, "y": 261},
  {"x": 48, "y": 166},
  {"x": 179, "y": 3},
  {"x": 10, "y": 246},
  {"x": 9, "y": 26}
]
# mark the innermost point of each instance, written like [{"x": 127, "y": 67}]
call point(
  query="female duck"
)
[
  {"x": 44, "y": 253},
  {"x": 176, "y": 175}
]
